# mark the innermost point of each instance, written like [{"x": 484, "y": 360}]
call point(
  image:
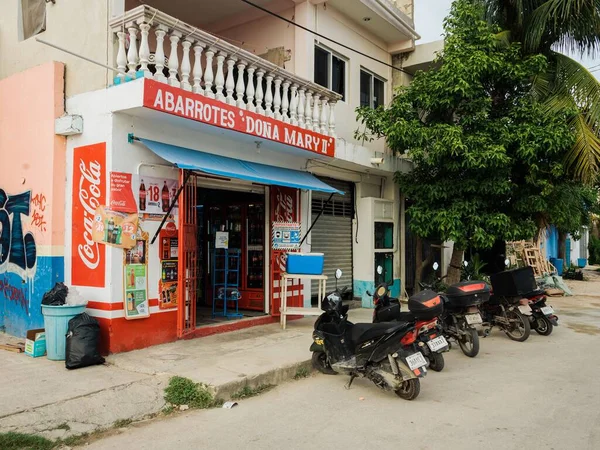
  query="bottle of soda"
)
[
  {"x": 165, "y": 197},
  {"x": 142, "y": 196},
  {"x": 115, "y": 235},
  {"x": 110, "y": 228}
]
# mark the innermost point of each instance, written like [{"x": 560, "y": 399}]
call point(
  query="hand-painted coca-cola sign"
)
[
  {"x": 162, "y": 97},
  {"x": 89, "y": 192},
  {"x": 17, "y": 249}
]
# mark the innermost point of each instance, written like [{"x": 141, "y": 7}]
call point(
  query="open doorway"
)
[{"x": 237, "y": 271}]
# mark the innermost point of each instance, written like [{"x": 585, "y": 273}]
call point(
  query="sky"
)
[{"x": 429, "y": 18}]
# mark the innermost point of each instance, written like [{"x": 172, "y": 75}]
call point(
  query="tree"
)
[
  {"x": 545, "y": 26},
  {"x": 485, "y": 152}
]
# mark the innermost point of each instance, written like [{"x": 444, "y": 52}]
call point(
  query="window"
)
[
  {"x": 384, "y": 235},
  {"x": 330, "y": 71},
  {"x": 371, "y": 90}
]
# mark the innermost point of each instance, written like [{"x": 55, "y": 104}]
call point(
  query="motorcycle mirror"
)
[
  {"x": 369, "y": 294},
  {"x": 436, "y": 266},
  {"x": 466, "y": 263},
  {"x": 338, "y": 274},
  {"x": 379, "y": 270},
  {"x": 507, "y": 262}
]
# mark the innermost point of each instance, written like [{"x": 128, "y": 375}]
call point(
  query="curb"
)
[{"x": 274, "y": 377}]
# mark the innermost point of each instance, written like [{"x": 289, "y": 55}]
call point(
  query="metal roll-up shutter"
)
[{"x": 332, "y": 234}]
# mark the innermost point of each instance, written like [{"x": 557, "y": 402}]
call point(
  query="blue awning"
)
[{"x": 185, "y": 158}]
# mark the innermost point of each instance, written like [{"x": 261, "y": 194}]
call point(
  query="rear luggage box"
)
[
  {"x": 389, "y": 313},
  {"x": 468, "y": 293},
  {"x": 425, "y": 305},
  {"x": 514, "y": 283}
]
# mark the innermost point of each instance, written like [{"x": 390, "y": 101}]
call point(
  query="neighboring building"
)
[{"x": 255, "y": 115}]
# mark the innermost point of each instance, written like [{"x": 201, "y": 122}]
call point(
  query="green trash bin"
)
[{"x": 56, "y": 323}]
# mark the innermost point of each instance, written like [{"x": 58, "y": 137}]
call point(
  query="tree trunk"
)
[
  {"x": 455, "y": 266},
  {"x": 420, "y": 264},
  {"x": 562, "y": 247},
  {"x": 595, "y": 230}
]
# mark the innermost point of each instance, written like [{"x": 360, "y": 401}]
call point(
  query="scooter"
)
[
  {"x": 379, "y": 352},
  {"x": 430, "y": 339}
]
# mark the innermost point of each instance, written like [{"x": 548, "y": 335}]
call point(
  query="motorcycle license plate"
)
[
  {"x": 473, "y": 319},
  {"x": 437, "y": 344},
  {"x": 525, "y": 309},
  {"x": 416, "y": 360},
  {"x": 547, "y": 310}
]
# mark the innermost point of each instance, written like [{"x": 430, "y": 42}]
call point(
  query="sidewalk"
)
[{"x": 41, "y": 396}]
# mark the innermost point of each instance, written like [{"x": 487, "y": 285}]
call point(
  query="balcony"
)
[{"x": 204, "y": 64}]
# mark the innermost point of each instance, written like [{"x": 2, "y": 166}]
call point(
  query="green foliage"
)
[
  {"x": 486, "y": 153},
  {"x": 545, "y": 26},
  {"x": 302, "y": 372},
  {"x": 474, "y": 270},
  {"x": 183, "y": 391},
  {"x": 594, "y": 249},
  {"x": 19, "y": 441},
  {"x": 248, "y": 391}
]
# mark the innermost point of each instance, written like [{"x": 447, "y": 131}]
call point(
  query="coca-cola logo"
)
[
  {"x": 89, "y": 197},
  {"x": 114, "y": 203},
  {"x": 284, "y": 212}
]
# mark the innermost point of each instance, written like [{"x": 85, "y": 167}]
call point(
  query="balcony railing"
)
[{"x": 205, "y": 64}]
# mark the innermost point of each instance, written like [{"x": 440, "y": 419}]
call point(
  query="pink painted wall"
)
[
  {"x": 33, "y": 157},
  {"x": 32, "y": 194}
]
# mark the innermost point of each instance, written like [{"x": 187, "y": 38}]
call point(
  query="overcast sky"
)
[{"x": 429, "y": 18}]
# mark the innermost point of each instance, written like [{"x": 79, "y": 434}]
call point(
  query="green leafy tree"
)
[
  {"x": 548, "y": 27},
  {"x": 485, "y": 152}
]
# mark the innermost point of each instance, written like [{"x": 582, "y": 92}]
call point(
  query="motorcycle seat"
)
[
  {"x": 535, "y": 293},
  {"x": 407, "y": 316},
  {"x": 362, "y": 332}
]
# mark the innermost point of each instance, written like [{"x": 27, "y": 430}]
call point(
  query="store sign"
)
[
  {"x": 286, "y": 235},
  {"x": 179, "y": 102},
  {"x": 89, "y": 192},
  {"x": 121, "y": 193}
]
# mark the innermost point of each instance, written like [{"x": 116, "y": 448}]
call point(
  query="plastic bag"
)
[
  {"x": 56, "y": 296},
  {"x": 83, "y": 338},
  {"x": 74, "y": 298}
]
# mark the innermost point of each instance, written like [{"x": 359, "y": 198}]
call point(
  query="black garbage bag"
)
[
  {"x": 83, "y": 338},
  {"x": 57, "y": 296}
]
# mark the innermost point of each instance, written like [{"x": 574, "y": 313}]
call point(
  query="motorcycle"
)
[
  {"x": 542, "y": 318},
  {"x": 430, "y": 339},
  {"x": 506, "y": 308},
  {"x": 380, "y": 352},
  {"x": 461, "y": 316}
]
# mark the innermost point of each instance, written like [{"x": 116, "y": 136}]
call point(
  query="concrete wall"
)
[
  {"x": 79, "y": 26},
  {"x": 32, "y": 194}
]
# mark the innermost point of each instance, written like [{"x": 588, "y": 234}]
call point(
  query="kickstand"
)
[{"x": 347, "y": 385}]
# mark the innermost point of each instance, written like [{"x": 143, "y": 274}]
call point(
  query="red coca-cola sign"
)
[{"x": 89, "y": 192}]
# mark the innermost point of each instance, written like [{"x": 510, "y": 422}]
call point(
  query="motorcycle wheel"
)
[
  {"x": 543, "y": 326},
  {"x": 409, "y": 389},
  {"x": 436, "y": 362},
  {"x": 522, "y": 330},
  {"x": 320, "y": 363},
  {"x": 469, "y": 344}
]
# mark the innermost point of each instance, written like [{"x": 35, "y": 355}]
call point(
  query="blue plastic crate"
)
[{"x": 305, "y": 263}]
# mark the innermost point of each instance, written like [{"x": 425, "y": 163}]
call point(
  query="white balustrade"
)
[
  {"x": 207, "y": 65},
  {"x": 220, "y": 76}
]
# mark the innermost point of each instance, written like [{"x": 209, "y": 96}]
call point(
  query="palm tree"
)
[{"x": 548, "y": 27}]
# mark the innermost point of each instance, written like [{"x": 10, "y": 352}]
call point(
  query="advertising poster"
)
[
  {"x": 136, "y": 291},
  {"x": 89, "y": 191},
  {"x": 168, "y": 295},
  {"x": 221, "y": 239},
  {"x": 114, "y": 228},
  {"x": 286, "y": 235},
  {"x": 137, "y": 254},
  {"x": 121, "y": 193},
  {"x": 169, "y": 271},
  {"x": 154, "y": 196}
]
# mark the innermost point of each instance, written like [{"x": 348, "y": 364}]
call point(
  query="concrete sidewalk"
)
[{"x": 41, "y": 396}]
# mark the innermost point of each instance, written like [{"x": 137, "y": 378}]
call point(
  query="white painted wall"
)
[{"x": 79, "y": 26}]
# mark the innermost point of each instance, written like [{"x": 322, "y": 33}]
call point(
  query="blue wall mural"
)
[{"x": 24, "y": 276}]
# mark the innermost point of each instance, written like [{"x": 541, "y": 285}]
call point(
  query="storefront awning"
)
[{"x": 185, "y": 158}]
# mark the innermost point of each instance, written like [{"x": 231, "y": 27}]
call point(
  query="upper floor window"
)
[
  {"x": 372, "y": 89},
  {"x": 330, "y": 71}
]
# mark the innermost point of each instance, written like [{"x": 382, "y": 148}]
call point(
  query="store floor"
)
[{"x": 204, "y": 316}]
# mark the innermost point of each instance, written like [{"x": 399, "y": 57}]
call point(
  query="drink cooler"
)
[{"x": 305, "y": 263}]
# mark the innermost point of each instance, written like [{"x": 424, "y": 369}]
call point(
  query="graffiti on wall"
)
[
  {"x": 14, "y": 294},
  {"x": 38, "y": 219},
  {"x": 17, "y": 249}
]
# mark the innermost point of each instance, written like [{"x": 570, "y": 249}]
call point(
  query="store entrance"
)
[{"x": 237, "y": 271}]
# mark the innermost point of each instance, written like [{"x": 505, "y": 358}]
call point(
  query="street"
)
[{"x": 540, "y": 394}]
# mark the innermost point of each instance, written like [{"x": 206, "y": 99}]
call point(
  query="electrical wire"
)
[{"x": 324, "y": 37}]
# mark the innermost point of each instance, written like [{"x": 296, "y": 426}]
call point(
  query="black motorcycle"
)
[
  {"x": 424, "y": 310},
  {"x": 542, "y": 319},
  {"x": 379, "y": 352}
]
